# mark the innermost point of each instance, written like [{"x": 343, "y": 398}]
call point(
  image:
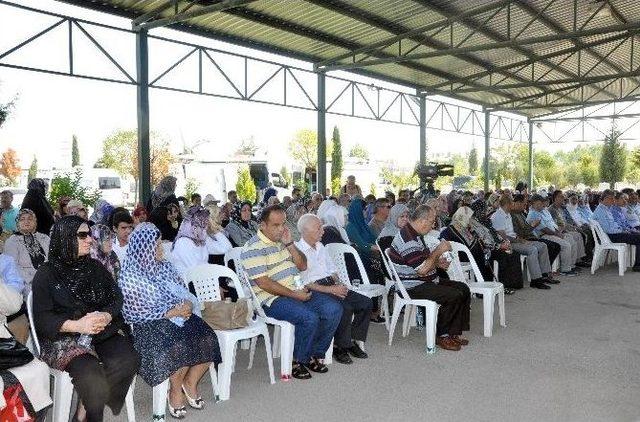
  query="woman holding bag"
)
[{"x": 172, "y": 342}]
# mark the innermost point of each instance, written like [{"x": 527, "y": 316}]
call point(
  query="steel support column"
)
[
  {"x": 530, "y": 156},
  {"x": 487, "y": 147},
  {"x": 322, "y": 136},
  {"x": 423, "y": 129},
  {"x": 144, "y": 148}
]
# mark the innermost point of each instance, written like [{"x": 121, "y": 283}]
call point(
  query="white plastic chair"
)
[
  {"x": 602, "y": 244},
  {"x": 403, "y": 299},
  {"x": 205, "y": 279},
  {"x": 488, "y": 289},
  {"x": 62, "y": 386},
  {"x": 337, "y": 252}
]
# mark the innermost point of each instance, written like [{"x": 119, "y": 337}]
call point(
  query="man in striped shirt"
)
[
  {"x": 414, "y": 260},
  {"x": 273, "y": 263}
]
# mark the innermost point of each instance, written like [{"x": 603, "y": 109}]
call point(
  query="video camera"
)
[{"x": 428, "y": 173}]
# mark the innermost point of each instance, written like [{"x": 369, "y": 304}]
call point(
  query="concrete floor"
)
[{"x": 571, "y": 353}]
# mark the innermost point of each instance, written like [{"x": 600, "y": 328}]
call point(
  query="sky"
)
[{"x": 50, "y": 108}]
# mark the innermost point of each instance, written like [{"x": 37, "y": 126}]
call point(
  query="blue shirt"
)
[
  {"x": 585, "y": 212},
  {"x": 603, "y": 216},
  {"x": 620, "y": 218},
  {"x": 546, "y": 221},
  {"x": 10, "y": 274},
  {"x": 9, "y": 220}
]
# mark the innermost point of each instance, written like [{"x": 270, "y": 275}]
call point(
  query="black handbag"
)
[{"x": 13, "y": 354}]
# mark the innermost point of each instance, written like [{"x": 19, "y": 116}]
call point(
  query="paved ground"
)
[{"x": 568, "y": 354}]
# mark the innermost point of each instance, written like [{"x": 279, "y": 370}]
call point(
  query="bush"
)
[
  {"x": 245, "y": 186},
  {"x": 70, "y": 184}
]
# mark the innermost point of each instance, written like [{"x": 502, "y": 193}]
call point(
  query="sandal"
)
[
  {"x": 300, "y": 372},
  {"x": 176, "y": 412},
  {"x": 195, "y": 403},
  {"x": 316, "y": 366}
]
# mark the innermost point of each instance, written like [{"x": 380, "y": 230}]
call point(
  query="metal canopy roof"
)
[{"x": 533, "y": 57}]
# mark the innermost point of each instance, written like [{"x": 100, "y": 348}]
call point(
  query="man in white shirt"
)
[
  {"x": 122, "y": 226},
  {"x": 537, "y": 252},
  {"x": 321, "y": 278}
]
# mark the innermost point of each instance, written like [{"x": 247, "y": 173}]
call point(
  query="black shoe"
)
[
  {"x": 357, "y": 352},
  {"x": 583, "y": 265},
  {"x": 568, "y": 273},
  {"x": 378, "y": 320},
  {"x": 316, "y": 366},
  {"x": 549, "y": 280},
  {"x": 539, "y": 285},
  {"x": 341, "y": 356}
]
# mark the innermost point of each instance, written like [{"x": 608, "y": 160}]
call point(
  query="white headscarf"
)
[{"x": 333, "y": 215}]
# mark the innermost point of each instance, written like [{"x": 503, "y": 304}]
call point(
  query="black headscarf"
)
[
  {"x": 159, "y": 218},
  {"x": 82, "y": 276},
  {"x": 479, "y": 208},
  {"x": 236, "y": 214},
  {"x": 36, "y": 201}
]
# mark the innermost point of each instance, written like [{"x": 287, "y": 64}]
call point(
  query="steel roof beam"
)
[
  {"x": 458, "y": 51},
  {"x": 418, "y": 31},
  {"x": 186, "y": 15},
  {"x": 524, "y": 63},
  {"x": 152, "y": 14},
  {"x": 583, "y": 79},
  {"x": 373, "y": 20},
  {"x": 494, "y": 35}
]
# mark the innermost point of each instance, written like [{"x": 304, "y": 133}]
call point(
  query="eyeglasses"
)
[{"x": 83, "y": 235}]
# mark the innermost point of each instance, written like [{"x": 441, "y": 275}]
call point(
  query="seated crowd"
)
[{"x": 109, "y": 299}]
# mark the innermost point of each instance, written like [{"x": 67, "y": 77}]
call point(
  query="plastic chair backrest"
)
[
  {"x": 206, "y": 281},
  {"x": 233, "y": 255},
  {"x": 32, "y": 327},
  {"x": 456, "y": 249},
  {"x": 337, "y": 253},
  {"x": 396, "y": 279},
  {"x": 342, "y": 232},
  {"x": 599, "y": 235},
  {"x": 384, "y": 262},
  {"x": 246, "y": 286}
]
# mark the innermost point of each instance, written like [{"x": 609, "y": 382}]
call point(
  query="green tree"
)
[
  {"x": 75, "y": 152},
  {"x": 399, "y": 179},
  {"x": 336, "y": 156},
  {"x": 473, "y": 161},
  {"x": 633, "y": 166},
  {"x": 359, "y": 151},
  {"x": 336, "y": 186},
  {"x": 33, "y": 169},
  {"x": 5, "y": 110},
  {"x": 613, "y": 160},
  {"x": 191, "y": 187},
  {"x": 247, "y": 147},
  {"x": 70, "y": 184},
  {"x": 372, "y": 189},
  {"x": 119, "y": 152},
  {"x": 245, "y": 186},
  {"x": 304, "y": 149}
]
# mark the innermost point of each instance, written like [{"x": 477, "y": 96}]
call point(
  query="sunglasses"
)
[{"x": 83, "y": 235}]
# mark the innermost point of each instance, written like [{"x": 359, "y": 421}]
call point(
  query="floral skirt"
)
[{"x": 165, "y": 347}]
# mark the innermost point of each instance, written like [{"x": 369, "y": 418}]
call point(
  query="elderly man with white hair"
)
[{"x": 321, "y": 278}]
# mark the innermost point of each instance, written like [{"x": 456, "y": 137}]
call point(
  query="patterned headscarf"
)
[
  {"x": 150, "y": 287},
  {"x": 194, "y": 225},
  {"x": 36, "y": 252},
  {"x": 80, "y": 275},
  {"x": 165, "y": 188},
  {"x": 236, "y": 214},
  {"x": 100, "y": 234},
  {"x": 38, "y": 185},
  {"x": 101, "y": 211},
  {"x": 391, "y": 225}
]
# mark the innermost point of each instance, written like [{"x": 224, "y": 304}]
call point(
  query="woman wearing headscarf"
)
[
  {"x": 217, "y": 241},
  {"x": 166, "y": 221},
  {"x": 77, "y": 315},
  {"x": 189, "y": 249},
  {"x": 27, "y": 247},
  {"x": 495, "y": 248},
  {"x": 102, "y": 249},
  {"x": 242, "y": 226},
  {"x": 333, "y": 217},
  {"x": 36, "y": 201},
  {"x": 363, "y": 240},
  {"x": 171, "y": 341},
  {"x": 398, "y": 218},
  {"x": 163, "y": 195}
]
